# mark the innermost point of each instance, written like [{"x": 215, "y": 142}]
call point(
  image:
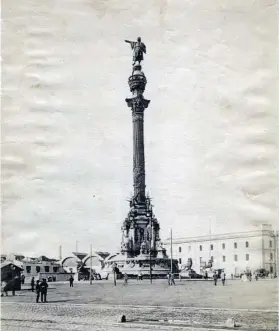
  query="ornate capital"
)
[{"x": 138, "y": 104}]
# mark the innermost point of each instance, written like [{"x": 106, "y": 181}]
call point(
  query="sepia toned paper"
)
[{"x": 211, "y": 129}]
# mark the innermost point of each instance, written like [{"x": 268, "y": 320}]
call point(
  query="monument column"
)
[{"x": 137, "y": 103}]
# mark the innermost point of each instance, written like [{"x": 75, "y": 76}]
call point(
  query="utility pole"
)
[
  {"x": 171, "y": 248},
  {"x": 91, "y": 264}
]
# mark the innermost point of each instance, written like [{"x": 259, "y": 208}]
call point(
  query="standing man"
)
[
  {"x": 169, "y": 278},
  {"x": 13, "y": 284},
  {"x": 4, "y": 289},
  {"x": 22, "y": 279},
  {"x": 38, "y": 290},
  {"x": 43, "y": 289},
  {"x": 71, "y": 280},
  {"x": 125, "y": 279},
  {"x": 223, "y": 277},
  {"x": 32, "y": 284},
  {"x": 215, "y": 277}
]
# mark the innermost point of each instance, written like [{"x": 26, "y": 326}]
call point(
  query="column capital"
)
[{"x": 138, "y": 103}]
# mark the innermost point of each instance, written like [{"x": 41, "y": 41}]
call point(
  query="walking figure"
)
[
  {"x": 172, "y": 279},
  {"x": 223, "y": 277},
  {"x": 250, "y": 276},
  {"x": 125, "y": 279},
  {"x": 71, "y": 280},
  {"x": 38, "y": 290},
  {"x": 43, "y": 289},
  {"x": 32, "y": 284},
  {"x": 215, "y": 277}
]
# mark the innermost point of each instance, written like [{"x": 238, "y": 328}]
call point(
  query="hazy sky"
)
[{"x": 210, "y": 129}]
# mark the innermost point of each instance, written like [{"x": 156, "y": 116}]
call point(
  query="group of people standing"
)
[
  {"x": 222, "y": 276},
  {"x": 41, "y": 289},
  {"x": 170, "y": 277}
]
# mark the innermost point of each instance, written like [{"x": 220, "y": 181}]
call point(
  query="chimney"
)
[{"x": 60, "y": 252}]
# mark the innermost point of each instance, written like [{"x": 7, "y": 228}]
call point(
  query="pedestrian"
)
[
  {"x": 125, "y": 279},
  {"x": 71, "y": 280},
  {"x": 180, "y": 277},
  {"x": 206, "y": 275},
  {"x": 223, "y": 277},
  {"x": 169, "y": 278},
  {"x": 215, "y": 277},
  {"x": 4, "y": 289},
  {"x": 43, "y": 290},
  {"x": 172, "y": 279},
  {"x": 22, "y": 279},
  {"x": 38, "y": 290},
  {"x": 13, "y": 284},
  {"x": 231, "y": 276},
  {"x": 32, "y": 284}
]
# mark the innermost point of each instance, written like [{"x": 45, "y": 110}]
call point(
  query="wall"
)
[
  {"x": 54, "y": 269},
  {"x": 234, "y": 260}
]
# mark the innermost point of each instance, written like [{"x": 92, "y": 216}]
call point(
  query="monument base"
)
[{"x": 140, "y": 265}]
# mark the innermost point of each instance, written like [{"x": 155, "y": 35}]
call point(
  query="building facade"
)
[
  {"x": 39, "y": 268},
  {"x": 233, "y": 252}
]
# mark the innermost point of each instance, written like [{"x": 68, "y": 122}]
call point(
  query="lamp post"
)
[
  {"x": 149, "y": 228},
  {"x": 13, "y": 280},
  {"x": 91, "y": 264},
  {"x": 171, "y": 248}
]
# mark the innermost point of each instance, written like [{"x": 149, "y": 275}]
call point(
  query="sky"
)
[{"x": 211, "y": 133}]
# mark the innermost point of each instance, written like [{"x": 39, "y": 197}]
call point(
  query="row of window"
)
[
  {"x": 38, "y": 269},
  {"x": 223, "y": 246},
  {"x": 235, "y": 258}
]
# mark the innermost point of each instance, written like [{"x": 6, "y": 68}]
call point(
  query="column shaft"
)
[{"x": 138, "y": 156}]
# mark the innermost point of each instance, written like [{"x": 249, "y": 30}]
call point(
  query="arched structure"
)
[
  {"x": 70, "y": 264},
  {"x": 95, "y": 257}
]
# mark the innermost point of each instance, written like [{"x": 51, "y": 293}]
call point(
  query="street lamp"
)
[
  {"x": 13, "y": 279},
  {"x": 149, "y": 229},
  {"x": 91, "y": 264}
]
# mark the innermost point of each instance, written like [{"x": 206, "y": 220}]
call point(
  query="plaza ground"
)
[{"x": 190, "y": 305}]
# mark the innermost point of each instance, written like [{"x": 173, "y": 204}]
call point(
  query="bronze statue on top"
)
[{"x": 138, "y": 49}]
